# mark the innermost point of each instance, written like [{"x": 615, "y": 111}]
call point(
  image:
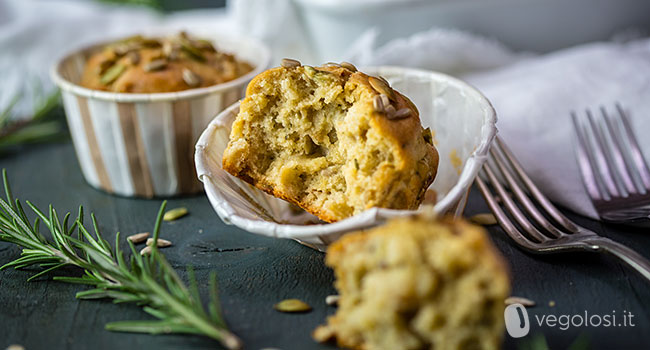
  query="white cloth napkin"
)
[{"x": 533, "y": 95}]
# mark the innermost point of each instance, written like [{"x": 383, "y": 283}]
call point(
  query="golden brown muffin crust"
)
[{"x": 193, "y": 64}]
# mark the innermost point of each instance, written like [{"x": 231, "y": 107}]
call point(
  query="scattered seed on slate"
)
[
  {"x": 519, "y": 300},
  {"x": 485, "y": 219},
  {"x": 174, "y": 214},
  {"x": 332, "y": 300},
  {"x": 162, "y": 243},
  {"x": 292, "y": 305},
  {"x": 146, "y": 250},
  {"x": 138, "y": 237}
]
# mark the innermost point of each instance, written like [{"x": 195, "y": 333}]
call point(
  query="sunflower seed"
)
[
  {"x": 384, "y": 99},
  {"x": 389, "y": 110},
  {"x": 174, "y": 214},
  {"x": 483, "y": 219},
  {"x": 157, "y": 64},
  {"x": 332, "y": 300},
  {"x": 292, "y": 305},
  {"x": 290, "y": 63},
  {"x": 161, "y": 243},
  {"x": 382, "y": 87},
  {"x": 15, "y": 347},
  {"x": 348, "y": 66},
  {"x": 146, "y": 250},
  {"x": 112, "y": 73},
  {"x": 133, "y": 57},
  {"x": 519, "y": 300},
  {"x": 138, "y": 237},
  {"x": 167, "y": 48},
  {"x": 400, "y": 114},
  {"x": 332, "y": 64},
  {"x": 191, "y": 78},
  {"x": 378, "y": 104}
]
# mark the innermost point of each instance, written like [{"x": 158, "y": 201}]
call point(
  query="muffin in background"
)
[
  {"x": 331, "y": 140},
  {"x": 417, "y": 283},
  {"x": 149, "y": 65}
]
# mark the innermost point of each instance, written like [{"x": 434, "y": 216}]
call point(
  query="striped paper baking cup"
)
[{"x": 142, "y": 145}]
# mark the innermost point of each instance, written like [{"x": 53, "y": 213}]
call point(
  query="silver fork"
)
[
  {"x": 540, "y": 235},
  {"x": 614, "y": 171}
]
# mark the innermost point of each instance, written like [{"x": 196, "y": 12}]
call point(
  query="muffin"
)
[
  {"x": 417, "y": 283},
  {"x": 150, "y": 65},
  {"x": 331, "y": 140}
]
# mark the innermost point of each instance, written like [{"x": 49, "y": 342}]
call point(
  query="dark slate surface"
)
[{"x": 255, "y": 272}]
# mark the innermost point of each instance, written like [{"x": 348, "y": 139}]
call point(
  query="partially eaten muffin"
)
[
  {"x": 331, "y": 140},
  {"x": 417, "y": 283}
]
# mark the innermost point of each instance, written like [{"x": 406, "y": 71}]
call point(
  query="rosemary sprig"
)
[
  {"x": 149, "y": 281},
  {"x": 44, "y": 125}
]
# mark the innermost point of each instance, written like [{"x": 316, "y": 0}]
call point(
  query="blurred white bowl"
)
[
  {"x": 533, "y": 25},
  {"x": 461, "y": 118}
]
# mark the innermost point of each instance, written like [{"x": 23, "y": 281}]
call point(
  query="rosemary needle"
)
[{"x": 148, "y": 280}]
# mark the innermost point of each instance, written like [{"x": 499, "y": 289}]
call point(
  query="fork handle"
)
[{"x": 627, "y": 255}]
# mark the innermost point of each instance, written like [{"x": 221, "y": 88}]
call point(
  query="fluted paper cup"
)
[
  {"x": 463, "y": 123},
  {"x": 142, "y": 144}
]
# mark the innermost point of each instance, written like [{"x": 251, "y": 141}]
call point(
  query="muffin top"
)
[{"x": 148, "y": 65}]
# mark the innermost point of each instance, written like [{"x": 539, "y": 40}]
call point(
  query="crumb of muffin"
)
[
  {"x": 331, "y": 140},
  {"x": 417, "y": 283},
  {"x": 151, "y": 65}
]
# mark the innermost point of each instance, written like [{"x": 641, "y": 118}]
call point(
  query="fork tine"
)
[
  {"x": 510, "y": 205},
  {"x": 587, "y": 163},
  {"x": 534, "y": 191},
  {"x": 503, "y": 219},
  {"x": 625, "y": 170},
  {"x": 604, "y": 159},
  {"x": 637, "y": 155},
  {"x": 528, "y": 205}
]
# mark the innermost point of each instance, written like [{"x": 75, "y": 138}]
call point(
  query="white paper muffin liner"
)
[
  {"x": 463, "y": 124},
  {"x": 134, "y": 144}
]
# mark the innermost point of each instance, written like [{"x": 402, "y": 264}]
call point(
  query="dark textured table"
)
[{"x": 255, "y": 272}]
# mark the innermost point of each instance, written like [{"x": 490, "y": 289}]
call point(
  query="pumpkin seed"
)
[
  {"x": 138, "y": 237},
  {"x": 167, "y": 48},
  {"x": 190, "y": 78},
  {"x": 174, "y": 214},
  {"x": 310, "y": 71},
  {"x": 133, "y": 57},
  {"x": 161, "y": 243},
  {"x": 483, "y": 219},
  {"x": 428, "y": 137},
  {"x": 332, "y": 300},
  {"x": 384, "y": 80},
  {"x": 146, "y": 250},
  {"x": 377, "y": 104},
  {"x": 106, "y": 64},
  {"x": 400, "y": 114},
  {"x": 290, "y": 63},
  {"x": 382, "y": 87},
  {"x": 155, "y": 65},
  {"x": 112, "y": 74},
  {"x": 15, "y": 347},
  {"x": 204, "y": 45},
  {"x": 195, "y": 53},
  {"x": 292, "y": 305},
  {"x": 519, "y": 300},
  {"x": 348, "y": 66}
]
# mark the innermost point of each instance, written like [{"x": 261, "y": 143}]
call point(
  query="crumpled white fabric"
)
[{"x": 532, "y": 94}]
